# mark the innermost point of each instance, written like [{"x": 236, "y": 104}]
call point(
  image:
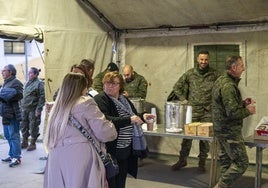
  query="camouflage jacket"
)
[
  {"x": 97, "y": 82},
  {"x": 196, "y": 88},
  {"x": 137, "y": 88},
  {"x": 228, "y": 110},
  {"x": 33, "y": 95}
]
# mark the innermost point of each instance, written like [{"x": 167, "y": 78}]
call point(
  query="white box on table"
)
[{"x": 261, "y": 130}]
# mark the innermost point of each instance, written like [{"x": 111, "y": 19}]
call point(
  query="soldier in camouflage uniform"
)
[
  {"x": 228, "y": 112},
  {"x": 194, "y": 88},
  {"x": 32, "y": 106},
  {"x": 135, "y": 84},
  {"x": 97, "y": 81}
]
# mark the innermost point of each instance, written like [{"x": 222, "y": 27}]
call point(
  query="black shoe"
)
[
  {"x": 8, "y": 159},
  {"x": 14, "y": 162},
  {"x": 201, "y": 169},
  {"x": 201, "y": 165},
  {"x": 180, "y": 164},
  {"x": 43, "y": 158},
  {"x": 31, "y": 147}
]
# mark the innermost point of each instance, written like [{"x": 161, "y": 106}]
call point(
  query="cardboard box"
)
[
  {"x": 205, "y": 129},
  {"x": 261, "y": 130},
  {"x": 190, "y": 129}
]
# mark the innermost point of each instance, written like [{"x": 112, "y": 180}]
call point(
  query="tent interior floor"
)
[{"x": 156, "y": 172}]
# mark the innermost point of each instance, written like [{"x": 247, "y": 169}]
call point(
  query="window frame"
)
[
  {"x": 242, "y": 53},
  {"x": 14, "y": 46}
]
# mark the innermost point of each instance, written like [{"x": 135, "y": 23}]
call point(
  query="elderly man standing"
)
[
  {"x": 135, "y": 84},
  {"x": 10, "y": 95},
  {"x": 228, "y": 112}
]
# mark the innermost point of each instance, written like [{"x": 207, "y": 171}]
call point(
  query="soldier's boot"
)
[
  {"x": 182, "y": 162},
  {"x": 24, "y": 143},
  {"x": 32, "y": 146},
  {"x": 202, "y": 165},
  {"x": 221, "y": 185}
]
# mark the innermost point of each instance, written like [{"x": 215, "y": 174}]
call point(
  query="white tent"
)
[{"x": 156, "y": 37}]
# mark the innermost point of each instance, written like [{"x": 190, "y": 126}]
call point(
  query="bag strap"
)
[{"x": 85, "y": 133}]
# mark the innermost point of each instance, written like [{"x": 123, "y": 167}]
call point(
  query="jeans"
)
[{"x": 12, "y": 134}]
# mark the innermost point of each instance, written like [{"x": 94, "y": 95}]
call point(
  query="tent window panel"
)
[
  {"x": 14, "y": 47},
  {"x": 217, "y": 54}
]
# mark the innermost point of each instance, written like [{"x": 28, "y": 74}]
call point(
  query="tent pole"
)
[{"x": 26, "y": 59}]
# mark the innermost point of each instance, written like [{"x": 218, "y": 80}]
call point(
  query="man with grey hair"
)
[
  {"x": 228, "y": 112},
  {"x": 10, "y": 95}
]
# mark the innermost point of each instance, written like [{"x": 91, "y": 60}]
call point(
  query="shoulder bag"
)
[
  {"x": 110, "y": 163},
  {"x": 139, "y": 143}
]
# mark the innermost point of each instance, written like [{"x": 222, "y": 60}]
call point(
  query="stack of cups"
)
[
  {"x": 153, "y": 111},
  {"x": 188, "y": 114}
]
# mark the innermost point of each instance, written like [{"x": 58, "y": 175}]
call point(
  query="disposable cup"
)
[{"x": 150, "y": 126}]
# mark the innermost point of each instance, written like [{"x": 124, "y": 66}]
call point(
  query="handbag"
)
[
  {"x": 110, "y": 163},
  {"x": 139, "y": 143}
]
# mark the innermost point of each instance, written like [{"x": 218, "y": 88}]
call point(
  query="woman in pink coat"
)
[{"x": 73, "y": 160}]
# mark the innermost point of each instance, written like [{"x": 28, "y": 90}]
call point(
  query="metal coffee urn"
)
[{"x": 175, "y": 116}]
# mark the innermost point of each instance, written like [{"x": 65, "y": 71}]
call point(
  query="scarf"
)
[{"x": 124, "y": 110}]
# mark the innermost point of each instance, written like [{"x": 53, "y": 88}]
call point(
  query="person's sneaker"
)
[
  {"x": 180, "y": 164},
  {"x": 14, "y": 162},
  {"x": 8, "y": 159}
]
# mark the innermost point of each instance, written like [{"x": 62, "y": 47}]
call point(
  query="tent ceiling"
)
[{"x": 126, "y": 15}]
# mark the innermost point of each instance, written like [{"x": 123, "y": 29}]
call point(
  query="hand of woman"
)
[
  {"x": 136, "y": 119},
  {"x": 149, "y": 117}
]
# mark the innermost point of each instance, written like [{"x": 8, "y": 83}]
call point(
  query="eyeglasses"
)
[{"x": 113, "y": 84}]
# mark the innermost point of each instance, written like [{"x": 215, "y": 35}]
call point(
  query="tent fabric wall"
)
[
  {"x": 162, "y": 60},
  {"x": 70, "y": 34},
  {"x": 70, "y": 49}
]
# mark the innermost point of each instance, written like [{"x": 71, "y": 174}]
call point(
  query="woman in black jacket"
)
[{"x": 119, "y": 109}]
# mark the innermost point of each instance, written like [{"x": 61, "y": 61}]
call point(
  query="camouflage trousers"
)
[
  {"x": 233, "y": 159},
  {"x": 186, "y": 147},
  {"x": 30, "y": 124}
]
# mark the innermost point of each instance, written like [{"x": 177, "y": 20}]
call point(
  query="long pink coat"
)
[{"x": 74, "y": 162}]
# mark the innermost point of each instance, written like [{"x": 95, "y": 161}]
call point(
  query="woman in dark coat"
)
[{"x": 119, "y": 109}]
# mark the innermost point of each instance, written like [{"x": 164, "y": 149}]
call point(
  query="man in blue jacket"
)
[{"x": 10, "y": 95}]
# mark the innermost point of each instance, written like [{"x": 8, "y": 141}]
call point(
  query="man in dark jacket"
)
[
  {"x": 10, "y": 95},
  {"x": 228, "y": 112}
]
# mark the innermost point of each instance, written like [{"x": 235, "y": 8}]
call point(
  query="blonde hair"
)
[{"x": 70, "y": 92}]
